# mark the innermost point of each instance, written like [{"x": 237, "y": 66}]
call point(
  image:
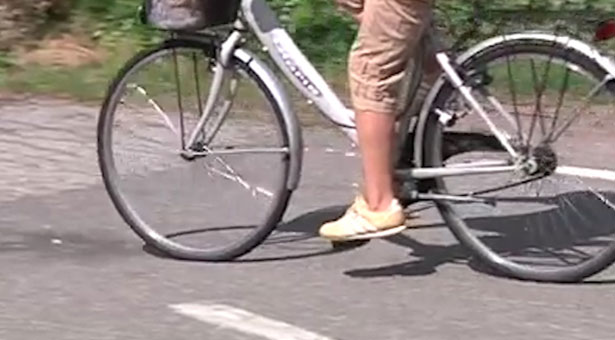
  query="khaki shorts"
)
[{"x": 389, "y": 32}]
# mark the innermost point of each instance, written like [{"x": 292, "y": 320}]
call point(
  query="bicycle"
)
[{"x": 460, "y": 130}]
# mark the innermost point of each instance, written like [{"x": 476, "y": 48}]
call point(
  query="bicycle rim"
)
[{"x": 214, "y": 207}]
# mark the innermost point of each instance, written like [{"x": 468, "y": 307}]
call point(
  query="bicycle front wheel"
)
[
  {"x": 218, "y": 204},
  {"x": 554, "y": 220}
]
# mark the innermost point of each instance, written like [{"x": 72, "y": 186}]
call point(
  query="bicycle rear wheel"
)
[
  {"x": 556, "y": 222},
  {"x": 218, "y": 205}
]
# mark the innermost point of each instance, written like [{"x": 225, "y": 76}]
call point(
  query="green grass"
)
[
  {"x": 84, "y": 83},
  {"x": 81, "y": 83},
  {"x": 89, "y": 83}
]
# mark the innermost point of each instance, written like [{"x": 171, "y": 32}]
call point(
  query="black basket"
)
[{"x": 190, "y": 15}]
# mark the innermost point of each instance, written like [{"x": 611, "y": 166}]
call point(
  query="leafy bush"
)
[
  {"x": 323, "y": 32},
  {"x": 20, "y": 19},
  {"x": 319, "y": 28}
]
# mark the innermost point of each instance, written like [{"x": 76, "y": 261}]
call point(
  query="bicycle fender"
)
[{"x": 565, "y": 42}]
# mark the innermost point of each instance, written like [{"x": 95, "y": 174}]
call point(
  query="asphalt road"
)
[{"x": 71, "y": 268}]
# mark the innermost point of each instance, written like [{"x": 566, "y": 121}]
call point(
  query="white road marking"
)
[
  {"x": 586, "y": 172},
  {"x": 245, "y": 322}
]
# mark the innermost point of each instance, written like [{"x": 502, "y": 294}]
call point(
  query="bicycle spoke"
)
[
  {"x": 545, "y": 80},
  {"x": 577, "y": 113},
  {"x": 197, "y": 84},
  {"x": 602, "y": 198},
  {"x": 557, "y": 255},
  {"x": 238, "y": 179},
  {"x": 179, "y": 99},
  {"x": 533, "y": 121},
  {"x": 575, "y": 210},
  {"x": 513, "y": 90},
  {"x": 599, "y": 195},
  {"x": 583, "y": 254},
  {"x": 232, "y": 175},
  {"x": 560, "y": 99},
  {"x": 565, "y": 230},
  {"x": 168, "y": 122},
  {"x": 539, "y": 88},
  {"x": 567, "y": 225}
]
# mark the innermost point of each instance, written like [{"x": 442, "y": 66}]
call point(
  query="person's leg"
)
[
  {"x": 376, "y": 136},
  {"x": 389, "y": 31},
  {"x": 372, "y": 129}
]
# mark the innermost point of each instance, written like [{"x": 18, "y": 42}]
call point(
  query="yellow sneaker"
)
[{"x": 359, "y": 223}]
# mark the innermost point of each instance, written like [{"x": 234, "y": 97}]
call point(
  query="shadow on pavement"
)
[
  {"x": 517, "y": 235},
  {"x": 289, "y": 240},
  {"x": 289, "y": 237},
  {"x": 522, "y": 236}
]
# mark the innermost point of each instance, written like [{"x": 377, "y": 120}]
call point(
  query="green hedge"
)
[{"x": 326, "y": 34}]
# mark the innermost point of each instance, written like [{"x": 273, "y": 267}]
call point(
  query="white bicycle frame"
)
[{"x": 297, "y": 68}]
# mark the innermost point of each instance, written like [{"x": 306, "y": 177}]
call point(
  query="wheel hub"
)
[
  {"x": 542, "y": 161},
  {"x": 191, "y": 154}
]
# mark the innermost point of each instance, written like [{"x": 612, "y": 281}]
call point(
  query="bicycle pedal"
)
[{"x": 345, "y": 245}]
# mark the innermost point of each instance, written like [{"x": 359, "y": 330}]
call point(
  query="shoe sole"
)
[{"x": 368, "y": 236}]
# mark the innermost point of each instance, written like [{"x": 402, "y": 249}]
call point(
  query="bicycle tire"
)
[
  {"x": 433, "y": 157},
  {"x": 151, "y": 237}
]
